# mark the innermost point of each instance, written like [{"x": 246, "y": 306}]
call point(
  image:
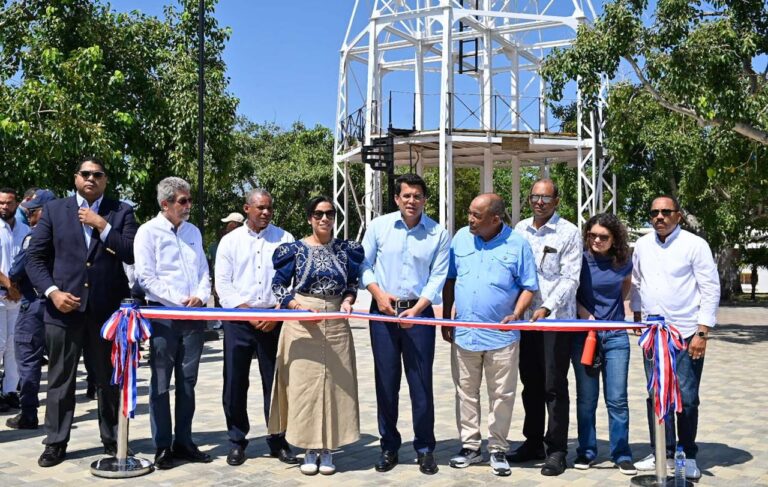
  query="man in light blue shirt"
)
[
  {"x": 406, "y": 261},
  {"x": 491, "y": 278}
]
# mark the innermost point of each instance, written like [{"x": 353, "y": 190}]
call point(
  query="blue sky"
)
[{"x": 282, "y": 58}]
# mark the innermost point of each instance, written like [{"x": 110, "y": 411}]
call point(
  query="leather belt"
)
[{"x": 405, "y": 303}]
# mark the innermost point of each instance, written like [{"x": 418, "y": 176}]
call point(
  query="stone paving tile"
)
[{"x": 732, "y": 430}]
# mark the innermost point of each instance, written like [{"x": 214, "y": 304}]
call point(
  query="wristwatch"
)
[{"x": 702, "y": 334}]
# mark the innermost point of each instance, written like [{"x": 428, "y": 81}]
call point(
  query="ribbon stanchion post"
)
[
  {"x": 661, "y": 342},
  {"x": 126, "y": 329}
]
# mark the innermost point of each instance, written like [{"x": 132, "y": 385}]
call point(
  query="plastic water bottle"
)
[{"x": 679, "y": 467}]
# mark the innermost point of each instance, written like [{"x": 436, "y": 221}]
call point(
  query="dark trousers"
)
[
  {"x": 416, "y": 348},
  {"x": 175, "y": 350},
  {"x": 544, "y": 361},
  {"x": 30, "y": 345},
  {"x": 689, "y": 374},
  {"x": 241, "y": 341},
  {"x": 65, "y": 344}
]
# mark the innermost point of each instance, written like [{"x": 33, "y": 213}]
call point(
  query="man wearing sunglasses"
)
[
  {"x": 545, "y": 355},
  {"x": 675, "y": 276},
  {"x": 172, "y": 270},
  {"x": 76, "y": 258}
]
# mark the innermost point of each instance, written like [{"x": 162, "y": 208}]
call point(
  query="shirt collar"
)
[
  {"x": 164, "y": 221},
  {"x": 402, "y": 221},
  {"x": 256, "y": 234},
  {"x": 503, "y": 234},
  {"x": 82, "y": 201},
  {"x": 551, "y": 223},
  {"x": 670, "y": 238}
]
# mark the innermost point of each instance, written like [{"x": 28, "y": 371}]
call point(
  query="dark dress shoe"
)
[
  {"x": 387, "y": 461},
  {"x": 191, "y": 454},
  {"x": 110, "y": 450},
  {"x": 90, "y": 391},
  {"x": 21, "y": 422},
  {"x": 526, "y": 454},
  {"x": 427, "y": 463},
  {"x": 163, "y": 459},
  {"x": 236, "y": 456},
  {"x": 52, "y": 455},
  {"x": 554, "y": 465},
  {"x": 285, "y": 455}
]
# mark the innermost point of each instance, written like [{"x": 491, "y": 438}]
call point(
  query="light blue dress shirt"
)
[
  {"x": 489, "y": 278},
  {"x": 408, "y": 263}
]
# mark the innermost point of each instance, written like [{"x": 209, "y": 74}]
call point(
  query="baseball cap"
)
[
  {"x": 41, "y": 197},
  {"x": 233, "y": 217}
]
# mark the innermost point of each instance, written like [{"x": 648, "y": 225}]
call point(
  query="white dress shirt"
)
[
  {"x": 676, "y": 279},
  {"x": 557, "y": 250},
  {"x": 170, "y": 263},
  {"x": 11, "y": 240},
  {"x": 244, "y": 269}
]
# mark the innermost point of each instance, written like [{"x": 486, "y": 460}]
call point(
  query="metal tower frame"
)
[{"x": 473, "y": 98}]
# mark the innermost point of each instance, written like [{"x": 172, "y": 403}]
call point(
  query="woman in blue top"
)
[
  {"x": 604, "y": 283},
  {"x": 314, "y": 397}
]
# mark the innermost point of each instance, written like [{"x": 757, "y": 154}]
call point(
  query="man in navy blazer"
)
[{"x": 75, "y": 258}]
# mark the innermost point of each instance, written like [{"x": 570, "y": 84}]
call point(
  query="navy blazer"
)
[{"x": 57, "y": 256}]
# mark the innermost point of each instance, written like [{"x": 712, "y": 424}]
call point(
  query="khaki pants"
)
[{"x": 500, "y": 367}]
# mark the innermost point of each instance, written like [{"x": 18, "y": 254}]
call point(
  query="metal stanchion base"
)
[
  {"x": 112, "y": 468},
  {"x": 651, "y": 481}
]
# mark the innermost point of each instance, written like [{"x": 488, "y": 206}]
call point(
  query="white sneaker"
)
[
  {"x": 692, "y": 470},
  {"x": 649, "y": 463},
  {"x": 326, "y": 463},
  {"x": 499, "y": 464},
  {"x": 465, "y": 458},
  {"x": 309, "y": 467}
]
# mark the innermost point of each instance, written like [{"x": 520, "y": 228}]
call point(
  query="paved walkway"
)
[{"x": 733, "y": 429}]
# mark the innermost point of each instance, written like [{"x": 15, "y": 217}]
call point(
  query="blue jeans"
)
[
  {"x": 689, "y": 375},
  {"x": 175, "y": 349},
  {"x": 614, "y": 350}
]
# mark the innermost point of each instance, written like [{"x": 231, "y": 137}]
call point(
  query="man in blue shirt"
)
[
  {"x": 492, "y": 277},
  {"x": 406, "y": 261}
]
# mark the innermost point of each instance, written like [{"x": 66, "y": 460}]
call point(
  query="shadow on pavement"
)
[{"x": 741, "y": 334}]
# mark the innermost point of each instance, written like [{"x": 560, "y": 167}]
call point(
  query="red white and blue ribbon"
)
[
  {"x": 126, "y": 329},
  {"x": 660, "y": 342}
]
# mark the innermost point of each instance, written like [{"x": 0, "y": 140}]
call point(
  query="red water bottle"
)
[{"x": 590, "y": 344}]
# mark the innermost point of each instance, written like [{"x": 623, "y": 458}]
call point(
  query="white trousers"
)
[{"x": 8, "y": 315}]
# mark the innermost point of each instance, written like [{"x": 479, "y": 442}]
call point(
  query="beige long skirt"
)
[{"x": 314, "y": 396}]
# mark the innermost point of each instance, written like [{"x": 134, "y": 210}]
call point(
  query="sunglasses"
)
[
  {"x": 95, "y": 174},
  {"x": 602, "y": 237},
  {"x": 318, "y": 215},
  {"x": 184, "y": 200},
  {"x": 534, "y": 198},
  {"x": 665, "y": 212}
]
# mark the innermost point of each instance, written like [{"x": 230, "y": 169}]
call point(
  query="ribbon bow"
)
[
  {"x": 126, "y": 329},
  {"x": 661, "y": 341}
]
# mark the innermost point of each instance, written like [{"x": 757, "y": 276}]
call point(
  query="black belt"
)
[{"x": 405, "y": 303}]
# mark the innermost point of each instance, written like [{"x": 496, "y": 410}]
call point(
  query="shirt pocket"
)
[
  {"x": 549, "y": 264},
  {"x": 502, "y": 269},
  {"x": 464, "y": 259}
]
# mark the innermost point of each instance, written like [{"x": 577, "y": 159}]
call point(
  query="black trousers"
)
[
  {"x": 544, "y": 362},
  {"x": 65, "y": 345},
  {"x": 241, "y": 341}
]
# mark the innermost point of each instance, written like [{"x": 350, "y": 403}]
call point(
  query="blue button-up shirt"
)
[
  {"x": 489, "y": 278},
  {"x": 408, "y": 263}
]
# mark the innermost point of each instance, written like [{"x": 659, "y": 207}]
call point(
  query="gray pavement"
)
[{"x": 733, "y": 427}]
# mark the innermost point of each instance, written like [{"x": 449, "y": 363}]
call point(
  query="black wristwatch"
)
[{"x": 702, "y": 334}]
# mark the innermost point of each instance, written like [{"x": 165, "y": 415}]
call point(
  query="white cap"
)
[{"x": 233, "y": 217}]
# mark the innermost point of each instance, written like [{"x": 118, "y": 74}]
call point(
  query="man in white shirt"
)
[
  {"x": 675, "y": 276},
  {"x": 12, "y": 235},
  {"x": 244, "y": 273},
  {"x": 545, "y": 355},
  {"x": 172, "y": 270}
]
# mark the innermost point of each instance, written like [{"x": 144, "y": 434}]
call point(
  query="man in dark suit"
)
[{"x": 76, "y": 258}]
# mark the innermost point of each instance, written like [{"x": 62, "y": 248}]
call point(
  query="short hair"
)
[
  {"x": 411, "y": 180},
  {"x": 555, "y": 189},
  {"x": 257, "y": 192},
  {"x": 497, "y": 206},
  {"x": 8, "y": 190},
  {"x": 674, "y": 201},
  {"x": 92, "y": 160},
  {"x": 312, "y": 204},
  {"x": 30, "y": 192},
  {"x": 168, "y": 187}
]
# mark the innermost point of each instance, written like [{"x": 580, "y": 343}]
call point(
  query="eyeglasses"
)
[
  {"x": 602, "y": 237},
  {"x": 184, "y": 200},
  {"x": 95, "y": 174},
  {"x": 318, "y": 215},
  {"x": 546, "y": 199},
  {"x": 665, "y": 212}
]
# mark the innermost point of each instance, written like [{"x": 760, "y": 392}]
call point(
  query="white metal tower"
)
[{"x": 456, "y": 84}]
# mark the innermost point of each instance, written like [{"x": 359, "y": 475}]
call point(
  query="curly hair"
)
[{"x": 620, "y": 247}]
